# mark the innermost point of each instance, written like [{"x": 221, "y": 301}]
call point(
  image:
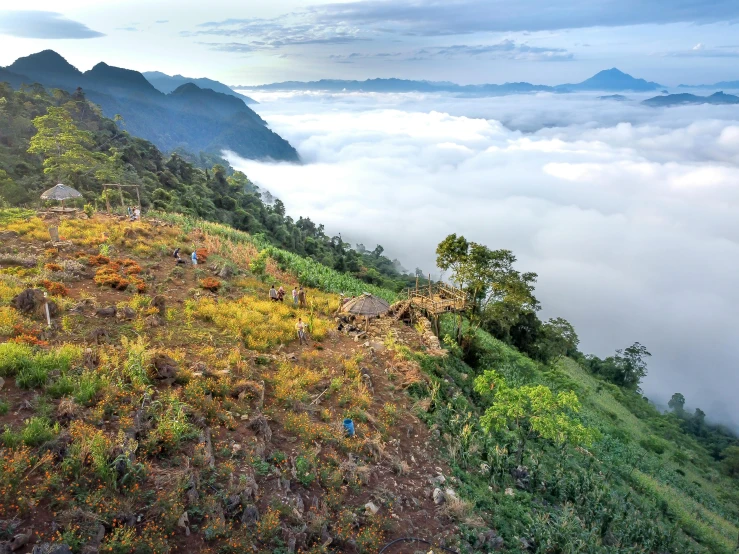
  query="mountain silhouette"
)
[
  {"x": 684, "y": 98},
  {"x": 612, "y": 80},
  {"x": 189, "y": 117},
  {"x": 167, "y": 83}
]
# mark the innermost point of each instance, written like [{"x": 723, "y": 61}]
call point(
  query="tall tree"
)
[
  {"x": 496, "y": 289},
  {"x": 677, "y": 403},
  {"x": 631, "y": 366},
  {"x": 66, "y": 149}
]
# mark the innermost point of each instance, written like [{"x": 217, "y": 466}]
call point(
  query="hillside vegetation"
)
[{"x": 51, "y": 137}]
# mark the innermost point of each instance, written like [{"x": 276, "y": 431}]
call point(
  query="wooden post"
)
[
  {"x": 120, "y": 190},
  {"x": 138, "y": 196},
  {"x": 107, "y": 200},
  {"x": 416, "y": 284}
]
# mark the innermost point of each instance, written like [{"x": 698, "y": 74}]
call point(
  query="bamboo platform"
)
[{"x": 437, "y": 299}]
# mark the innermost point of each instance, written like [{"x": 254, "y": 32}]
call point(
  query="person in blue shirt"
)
[{"x": 194, "y": 258}]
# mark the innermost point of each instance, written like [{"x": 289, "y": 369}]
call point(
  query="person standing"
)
[
  {"x": 281, "y": 294},
  {"x": 301, "y": 297},
  {"x": 137, "y": 213},
  {"x": 194, "y": 257},
  {"x": 300, "y": 327},
  {"x": 273, "y": 294},
  {"x": 295, "y": 296}
]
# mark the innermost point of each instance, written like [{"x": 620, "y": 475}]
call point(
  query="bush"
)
[
  {"x": 54, "y": 288},
  {"x": 37, "y": 431},
  {"x": 654, "y": 444},
  {"x": 89, "y": 210},
  {"x": 211, "y": 284},
  {"x": 14, "y": 357}
]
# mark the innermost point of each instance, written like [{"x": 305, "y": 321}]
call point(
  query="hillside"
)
[
  {"x": 97, "y": 151},
  {"x": 669, "y": 100},
  {"x": 171, "y": 407},
  {"x": 171, "y": 121},
  {"x": 167, "y": 83}
]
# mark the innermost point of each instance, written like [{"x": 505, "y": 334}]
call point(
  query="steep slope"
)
[
  {"x": 167, "y": 83},
  {"x": 183, "y": 120}
]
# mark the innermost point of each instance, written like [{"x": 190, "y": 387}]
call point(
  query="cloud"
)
[
  {"x": 627, "y": 214},
  {"x": 270, "y": 34},
  {"x": 161, "y": 21},
  {"x": 503, "y": 50},
  {"x": 451, "y": 17},
  {"x": 43, "y": 25},
  {"x": 701, "y": 51},
  {"x": 131, "y": 29}
]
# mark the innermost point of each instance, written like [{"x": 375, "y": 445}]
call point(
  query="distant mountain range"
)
[
  {"x": 723, "y": 85},
  {"x": 189, "y": 117},
  {"x": 167, "y": 83},
  {"x": 609, "y": 80},
  {"x": 685, "y": 98}
]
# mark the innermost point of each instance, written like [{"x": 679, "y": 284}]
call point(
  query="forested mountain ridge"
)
[
  {"x": 170, "y": 121},
  {"x": 96, "y": 151}
]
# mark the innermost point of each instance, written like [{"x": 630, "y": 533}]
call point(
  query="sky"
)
[
  {"x": 465, "y": 41},
  {"x": 626, "y": 213}
]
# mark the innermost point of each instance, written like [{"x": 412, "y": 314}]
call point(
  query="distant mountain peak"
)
[
  {"x": 613, "y": 80},
  {"x": 47, "y": 61}
]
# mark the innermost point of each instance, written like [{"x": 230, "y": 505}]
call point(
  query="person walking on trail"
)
[
  {"x": 137, "y": 213},
  {"x": 301, "y": 297},
  {"x": 281, "y": 294},
  {"x": 176, "y": 256},
  {"x": 295, "y": 296},
  {"x": 194, "y": 257},
  {"x": 300, "y": 327},
  {"x": 273, "y": 294}
]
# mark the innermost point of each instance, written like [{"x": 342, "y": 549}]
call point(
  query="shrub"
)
[
  {"x": 654, "y": 444},
  {"x": 89, "y": 210},
  {"x": 202, "y": 255},
  {"x": 54, "y": 288},
  {"x": 38, "y": 430},
  {"x": 211, "y": 284},
  {"x": 53, "y": 267},
  {"x": 98, "y": 260},
  {"x": 14, "y": 357}
]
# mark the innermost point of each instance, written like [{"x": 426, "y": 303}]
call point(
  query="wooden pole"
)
[
  {"x": 138, "y": 197},
  {"x": 107, "y": 200},
  {"x": 120, "y": 191}
]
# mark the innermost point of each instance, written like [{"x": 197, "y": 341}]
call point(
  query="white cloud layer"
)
[{"x": 628, "y": 214}]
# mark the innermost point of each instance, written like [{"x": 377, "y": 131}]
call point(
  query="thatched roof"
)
[
  {"x": 60, "y": 192},
  {"x": 366, "y": 305}
]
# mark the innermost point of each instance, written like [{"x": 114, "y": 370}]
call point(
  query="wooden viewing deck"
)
[{"x": 437, "y": 298}]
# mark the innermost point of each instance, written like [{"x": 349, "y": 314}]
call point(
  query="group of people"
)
[
  {"x": 134, "y": 213},
  {"x": 178, "y": 259},
  {"x": 278, "y": 295}
]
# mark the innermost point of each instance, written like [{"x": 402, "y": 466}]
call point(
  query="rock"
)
[
  {"x": 48, "y": 548},
  {"x": 510, "y": 492},
  {"x": 166, "y": 368},
  {"x": 154, "y": 321},
  {"x": 250, "y": 517},
  {"x": 19, "y": 541},
  {"x": 438, "y": 496},
  {"x": 450, "y": 494},
  {"x": 371, "y": 508},
  {"x": 110, "y": 311},
  {"x": 127, "y": 314},
  {"x": 226, "y": 272},
  {"x": 438, "y": 480},
  {"x": 160, "y": 304},
  {"x": 260, "y": 426},
  {"x": 99, "y": 335},
  {"x": 28, "y": 301}
]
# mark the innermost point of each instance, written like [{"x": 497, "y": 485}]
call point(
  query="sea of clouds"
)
[{"x": 628, "y": 214}]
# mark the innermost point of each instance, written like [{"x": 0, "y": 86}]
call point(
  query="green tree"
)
[
  {"x": 64, "y": 147},
  {"x": 498, "y": 292},
  {"x": 630, "y": 366},
  {"x": 530, "y": 411},
  {"x": 560, "y": 339},
  {"x": 677, "y": 403}
]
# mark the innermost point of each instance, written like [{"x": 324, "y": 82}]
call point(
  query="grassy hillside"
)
[{"x": 191, "y": 420}]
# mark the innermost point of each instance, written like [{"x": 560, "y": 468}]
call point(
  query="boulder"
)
[
  {"x": 127, "y": 314},
  {"x": 28, "y": 301},
  {"x": 160, "y": 304},
  {"x": 165, "y": 368},
  {"x": 110, "y": 311}
]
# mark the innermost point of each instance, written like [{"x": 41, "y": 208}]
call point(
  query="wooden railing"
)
[{"x": 437, "y": 298}]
